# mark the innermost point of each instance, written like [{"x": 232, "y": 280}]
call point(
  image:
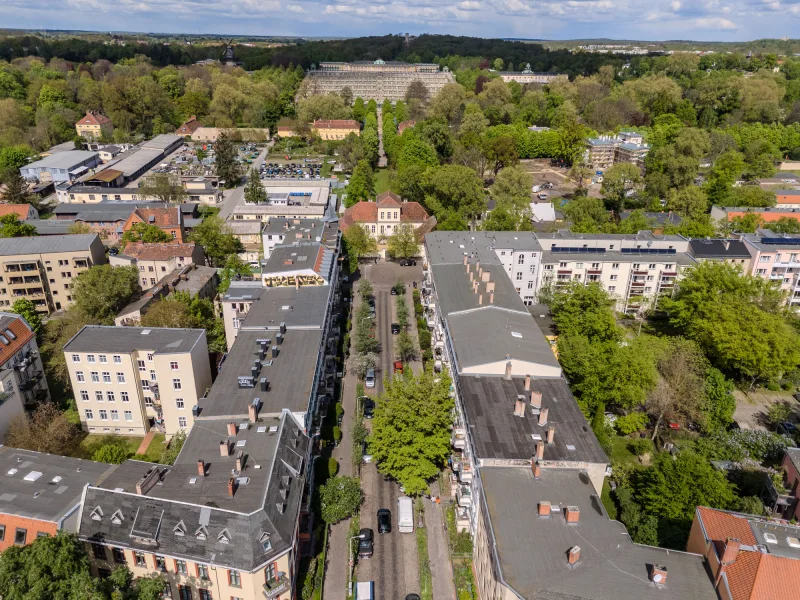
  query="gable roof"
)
[
  {"x": 21, "y": 210},
  {"x": 21, "y": 334},
  {"x": 388, "y": 198},
  {"x": 94, "y": 118},
  {"x": 158, "y": 251},
  {"x": 367, "y": 212},
  {"x": 161, "y": 217},
  {"x": 189, "y": 126},
  {"x": 337, "y": 124}
]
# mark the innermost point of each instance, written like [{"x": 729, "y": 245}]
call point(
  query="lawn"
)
[
  {"x": 382, "y": 180},
  {"x": 621, "y": 453},
  {"x": 93, "y": 441}
]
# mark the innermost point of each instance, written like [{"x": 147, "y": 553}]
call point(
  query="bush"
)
[
  {"x": 425, "y": 339},
  {"x": 641, "y": 446},
  {"x": 631, "y": 423},
  {"x": 339, "y": 412},
  {"x": 112, "y": 453},
  {"x": 787, "y": 386},
  {"x": 337, "y": 434},
  {"x": 773, "y": 386},
  {"x": 333, "y": 467},
  {"x": 779, "y": 412}
]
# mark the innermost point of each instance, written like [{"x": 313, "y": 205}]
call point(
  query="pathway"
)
[
  {"x": 382, "y": 160},
  {"x": 438, "y": 553},
  {"x": 146, "y": 442}
]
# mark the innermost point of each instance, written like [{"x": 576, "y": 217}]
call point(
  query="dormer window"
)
[
  {"x": 117, "y": 517},
  {"x": 201, "y": 533},
  {"x": 97, "y": 514},
  {"x": 224, "y": 537},
  {"x": 179, "y": 529},
  {"x": 266, "y": 545}
]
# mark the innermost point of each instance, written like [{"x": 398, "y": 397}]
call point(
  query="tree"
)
[
  {"x": 405, "y": 347},
  {"x": 214, "y": 235},
  {"x": 14, "y": 157},
  {"x": 358, "y": 242},
  {"x": 339, "y": 498},
  {"x": 362, "y": 184},
  {"x": 102, "y": 291},
  {"x": 456, "y": 188},
  {"x": 403, "y": 242},
  {"x": 79, "y": 227},
  {"x": 234, "y": 269},
  {"x": 719, "y": 404},
  {"x": 586, "y": 214},
  {"x": 363, "y": 362},
  {"x": 254, "y": 192},
  {"x": 411, "y": 429},
  {"x": 16, "y": 188},
  {"x": 416, "y": 152},
  {"x": 726, "y": 170},
  {"x": 619, "y": 181},
  {"x": 228, "y": 167},
  {"x": 500, "y": 152},
  {"x": 513, "y": 185},
  {"x": 751, "y": 195},
  {"x": 170, "y": 453},
  {"x": 181, "y": 310},
  {"x": 689, "y": 202},
  {"x": 114, "y": 454},
  {"x": 12, "y": 227},
  {"x": 144, "y": 232},
  {"x": 783, "y": 225},
  {"x": 162, "y": 187},
  {"x": 27, "y": 310},
  {"x": 365, "y": 290},
  {"x": 417, "y": 91},
  {"x": 46, "y": 430},
  {"x": 57, "y": 332},
  {"x": 351, "y": 151},
  {"x": 585, "y": 310},
  {"x": 448, "y": 104}
]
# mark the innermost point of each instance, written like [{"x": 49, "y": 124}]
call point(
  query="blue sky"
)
[{"x": 724, "y": 20}]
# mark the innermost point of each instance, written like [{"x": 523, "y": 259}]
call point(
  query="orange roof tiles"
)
[
  {"x": 21, "y": 210},
  {"x": 22, "y": 333},
  {"x": 189, "y": 127},
  {"x": 163, "y": 217},
  {"x": 94, "y": 118},
  {"x": 720, "y": 525},
  {"x": 337, "y": 124}
]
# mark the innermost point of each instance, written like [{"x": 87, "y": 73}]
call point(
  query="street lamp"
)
[{"x": 350, "y": 564}]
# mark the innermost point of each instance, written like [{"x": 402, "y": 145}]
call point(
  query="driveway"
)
[{"x": 235, "y": 196}]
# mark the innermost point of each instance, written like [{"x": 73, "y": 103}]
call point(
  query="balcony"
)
[
  {"x": 462, "y": 518},
  {"x": 459, "y": 438},
  {"x": 5, "y": 396},
  {"x": 464, "y": 496},
  {"x": 20, "y": 267},
  {"x": 276, "y": 586},
  {"x": 669, "y": 274}
]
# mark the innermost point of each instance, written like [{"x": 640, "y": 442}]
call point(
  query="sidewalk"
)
[{"x": 438, "y": 553}]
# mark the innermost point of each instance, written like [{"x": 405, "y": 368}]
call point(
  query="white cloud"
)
[
  {"x": 296, "y": 8},
  {"x": 469, "y": 5},
  {"x": 713, "y": 23}
]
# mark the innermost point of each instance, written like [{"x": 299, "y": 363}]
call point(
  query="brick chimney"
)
[
  {"x": 657, "y": 574},
  {"x": 477, "y": 265},
  {"x": 231, "y": 428},
  {"x": 544, "y": 509},
  {"x": 551, "y": 433},
  {"x": 486, "y": 276},
  {"x": 466, "y": 262},
  {"x": 539, "y": 450},
  {"x": 730, "y": 553},
  {"x": 480, "y": 299},
  {"x": 239, "y": 461},
  {"x": 574, "y": 555},
  {"x": 543, "y": 416},
  {"x": 471, "y": 276},
  {"x": 201, "y": 468},
  {"x": 491, "y": 297},
  {"x": 490, "y": 286},
  {"x": 537, "y": 470},
  {"x": 252, "y": 412},
  {"x": 572, "y": 515},
  {"x": 148, "y": 481},
  {"x": 224, "y": 448},
  {"x": 527, "y": 383},
  {"x": 508, "y": 370},
  {"x": 536, "y": 399},
  {"x": 519, "y": 406},
  {"x": 231, "y": 487}
]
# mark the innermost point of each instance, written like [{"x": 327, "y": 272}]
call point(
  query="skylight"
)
[
  {"x": 770, "y": 538},
  {"x": 33, "y": 476},
  {"x": 516, "y": 334}
]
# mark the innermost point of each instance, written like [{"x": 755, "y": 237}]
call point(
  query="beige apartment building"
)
[
  {"x": 94, "y": 126},
  {"x": 42, "y": 269},
  {"x": 157, "y": 260},
  {"x": 128, "y": 380},
  {"x": 335, "y": 129}
]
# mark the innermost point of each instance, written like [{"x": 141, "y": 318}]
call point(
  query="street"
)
[{"x": 235, "y": 196}]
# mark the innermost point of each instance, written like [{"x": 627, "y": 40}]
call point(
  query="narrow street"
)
[
  {"x": 382, "y": 160},
  {"x": 235, "y": 196}
]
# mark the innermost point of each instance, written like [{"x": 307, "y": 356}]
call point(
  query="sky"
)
[{"x": 712, "y": 20}]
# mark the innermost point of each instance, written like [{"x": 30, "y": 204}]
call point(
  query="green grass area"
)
[
  {"x": 621, "y": 453},
  {"x": 382, "y": 180},
  {"x": 156, "y": 447},
  {"x": 93, "y": 441},
  {"x": 425, "y": 578},
  {"x": 608, "y": 501},
  {"x": 463, "y": 579},
  {"x": 326, "y": 169}
]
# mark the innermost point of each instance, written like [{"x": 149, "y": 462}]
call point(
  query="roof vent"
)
[
  {"x": 12, "y": 472},
  {"x": 56, "y": 479},
  {"x": 33, "y": 476},
  {"x": 262, "y": 429},
  {"x": 516, "y": 334},
  {"x": 793, "y": 542},
  {"x": 97, "y": 514},
  {"x": 117, "y": 517}
]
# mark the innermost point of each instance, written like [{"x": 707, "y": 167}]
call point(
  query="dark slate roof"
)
[
  {"x": 42, "y": 497},
  {"x": 716, "y": 248},
  {"x": 532, "y": 551},
  {"x": 298, "y": 308},
  {"x": 455, "y": 293},
  {"x": 265, "y": 507},
  {"x": 102, "y": 338},
  {"x": 290, "y": 375},
  {"x": 291, "y": 227},
  {"x": 46, "y": 244},
  {"x": 498, "y": 434},
  {"x": 544, "y": 319},
  {"x": 243, "y": 291},
  {"x": 73, "y": 208}
]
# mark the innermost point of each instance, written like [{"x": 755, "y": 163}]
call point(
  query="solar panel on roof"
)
[
  {"x": 781, "y": 241},
  {"x": 661, "y": 251},
  {"x": 577, "y": 250}
]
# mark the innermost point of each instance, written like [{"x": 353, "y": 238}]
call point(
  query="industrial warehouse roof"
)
[{"x": 62, "y": 160}]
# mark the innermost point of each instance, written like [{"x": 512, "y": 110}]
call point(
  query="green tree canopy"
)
[
  {"x": 357, "y": 243},
  {"x": 214, "y": 235},
  {"x": 254, "y": 191},
  {"x": 228, "y": 167},
  {"x": 12, "y": 227},
  {"x": 339, "y": 498},
  {"x": 163, "y": 187},
  {"x": 26, "y": 309},
  {"x": 403, "y": 242},
  {"x": 144, "y": 232},
  {"x": 362, "y": 184},
  {"x": 102, "y": 291}
]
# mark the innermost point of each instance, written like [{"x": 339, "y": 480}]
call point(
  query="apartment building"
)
[
  {"x": 383, "y": 217},
  {"x": 167, "y": 218},
  {"x": 771, "y": 214},
  {"x": 281, "y": 231},
  {"x": 529, "y": 76},
  {"x": 605, "y": 151},
  {"x": 94, "y": 126},
  {"x": 247, "y": 134},
  {"x": 302, "y": 200},
  {"x": 157, "y": 260},
  {"x": 335, "y": 129},
  {"x": 733, "y": 252},
  {"x": 776, "y": 257},
  {"x": 22, "y": 381},
  {"x": 42, "y": 494},
  {"x": 42, "y": 269},
  {"x": 128, "y": 380}
]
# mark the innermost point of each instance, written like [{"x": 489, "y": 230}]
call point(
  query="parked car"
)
[
  {"x": 366, "y": 457},
  {"x": 408, "y": 262},
  {"x": 366, "y": 545},
  {"x": 384, "y": 520},
  {"x": 786, "y": 428},
  {"x": 413, "y": 597},
  {"x": 398, "y": 367},
  {"x": 369, "y": 380},
  {"x": 369, "y": 408},
  {"x": 394, "y": 291},
  {"x": 395, "y": 328}
]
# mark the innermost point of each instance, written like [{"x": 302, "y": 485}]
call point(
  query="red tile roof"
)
[
  {"x": 163, "y": 217},
  {"x": 189, "y": 127},
  {"x": 361, "y": 212},
  {"x": 388, "y": 198},
  {"x": 413, "y": 212},
  {"x": 22, "y": 333},
  {"x": 367, "y": 212},
  {"x": 336, "y": 124},
  {"x": 158, "y": 251},
  {"x": 721, "y": 525},
  {"x": 21, "y": 210},
  {"x": 94, "y": 118}
]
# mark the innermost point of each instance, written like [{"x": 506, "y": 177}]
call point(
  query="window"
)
[
  {"x": 76, "y": 358},
  {"x": 182, "y": 422},
  {"x": 180, "y": 567},
  {"x": 103, "y": 415},
  {"x": 103, "y": 573},
  {"x": 161, "y": 563},
  {"x": 138, "y": 559},
  {"x": 173, "y": 365},
  {"x": 184, "y": 592},
  {"x": 103, "y": 358},
  {"x": 149, "y": 357},
  {"x": 615, "y": 265},
  {"x": 519, "y": 276},
  {"x": 202, "y": 571},
  {"x": 578, "y": 265},
  {"x": 110, "y": 397},
  {"x": 152, "y": 375},
  {"x": 2, "y": 532},
  {"x": 98, "y": 396},
  {"x": 90, "y": 358},
  {"x": 648, "y": 289},
  {"x": 150, "y": 269},
  {"x": 521, "y": 259},
  {"x": 120, "y": 377},
  {"x": 548, "y": 267},
  {"x": 613, "y": 278},
  {"x": 89, "y": 415},
  {"x": 532, "y": 269},
  {"x": 765, "y": 259},
  {"x": 148, "y": 401},
  {"x": 204, "y": 594},
  {"x": 99, "y": 551},
  {"x": 95, "y": 377},
  {"x": 167, "y": 590},
  {"x": 563, "y": 265},
  {"x": 612, "y": 288},
  {"x": 637, "y": 266},
  {"x": 179, "y": 402},
  {"x": 119, "y": 555},
  {"x": 234, "y": 579},
  {"x": 176, "y": 384},
  {"x": 79, "y": 376},
  {"x": 106, "y": 377},
  {"x": 145, "y": 384},
  {"x": 141, "y": 365},
  {"x": 20, "y": 535},
  {"x": 124, "y": 396},
  {"x": 128, "y": 415},
  {"x": 595, "y": 265},
  {"x": 115, "y": 415},
  {"x": 530, "y": 285},
  {"x": 650, "y": 278},
  {"x": 271, "y": 572},
  {"x": 117, "y": 359}
]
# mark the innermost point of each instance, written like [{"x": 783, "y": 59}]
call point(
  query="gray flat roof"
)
[
  {"x": 46, "y": 244},
  {"x": 499, "y": 434},
  {"x": 72, "y": 208},
  {"x": 196, "y": 279},
  {"x": 532, "y": 551},
  {"x": 449, "y": 247},
  {"x": 51, "y": 226},
  {"x": 290, "y": 375},
  {"x": 41, "y": 496},
  {"x": 103, "y": 338},
  {"x": 644, "y": 235},
  {"x": 298, "y": 308},
  {"x": 680, "y": 258},
  {"x": 291, "y": 227},
  {"x": 162, "y": 141},
  {"x": 133, "y": 161},
  {"x": 454, "y": 288},
  {"x": 243, "y": 291},
  {"x": 61, "y": 160},
  {"x": 295, "y": 257}
]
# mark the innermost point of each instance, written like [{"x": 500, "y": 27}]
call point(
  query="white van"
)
[
  {"x": 405, "y": 515},
  {"x": 365, "y": 590}
]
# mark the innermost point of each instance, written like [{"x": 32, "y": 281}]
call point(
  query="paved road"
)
[
  {"x": 382, "y": 161},
  {"x": 235, "y": 196}
]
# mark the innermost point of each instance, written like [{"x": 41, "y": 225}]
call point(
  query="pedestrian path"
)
[
  {"x": 438, "y": 553},
  {"x": 146, "y": 442}
]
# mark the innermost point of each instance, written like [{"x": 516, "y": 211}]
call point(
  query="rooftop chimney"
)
[
  {"x": 480, "y": 299},
  {"x": 471, "y": 277},
  {"x": 543, "y": 416},
  {"x": 296, "y": 283},
  {"x": 477, "y": 265},
  {"x": 149, "y": 480},
  {"x": 474, "y": 287},
  {"x": 572, "y": 515},
  {"x": 729, "y": 554},
  {"x": 486, "y": 276},
  {"x": 539, "y": 450},
  {"x": 239, "y": 460},
  {"x": 224, "y": 448},
  {"x": 551, "y": 433},
  {"x": 252, "y": 412},
  {"x": 466, "y": 262},
  {"x": 201, "y": 468},
  {"x": 283, "y": 327},
  {"x": 491, "y": 297},
  {"x": 490, "y": 286},
  {"x": 536, "y": 399},
  {"x": 537, "y": 469},
  {"x": 231, "y": 487},
  {"x": 508, "y": 370},
  {"x": 574, "y": 555},
  {"x": 544, "y": 509},
  {"x": 519, "y": 406},
  {"x": 527, "y": 383},
  {"x": 657, "y": 574},
  {"x": 231, "y": 428}
]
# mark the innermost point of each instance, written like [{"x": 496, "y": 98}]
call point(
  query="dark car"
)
[
  {"x": 366, "y": 545},
  {"x": 395, "y": 328},
  {"x": 384, "y": 521},
  {"x": 369, "y": 408},
  {"x": 413, "y": 597},
  {"x": 786, "y": 428},
  {"x": 394, "y": 292},
  {"x": 408, "y": 262}
]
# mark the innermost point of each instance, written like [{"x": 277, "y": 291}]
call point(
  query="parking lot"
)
[{"x": 284, "y": 169}]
